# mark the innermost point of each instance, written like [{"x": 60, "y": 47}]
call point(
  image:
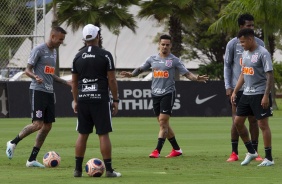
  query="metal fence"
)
[{"x": 22, "y": 28}]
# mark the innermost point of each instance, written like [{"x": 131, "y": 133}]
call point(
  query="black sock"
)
[
  {"x": 255, "y": 145},
  {"x": 16, "y": 140},
  {"x": 234, "y": 144},
  {"x": 160, "y": 144},
  {"x": 33, "y": 154},
  {"x": 78, "y": 163},
  {"x": 250, "y": 148},
  {"x": 268, "y": 153},
  {"x": 108, "y": 164},
  {"x": 173, "y": 143}
]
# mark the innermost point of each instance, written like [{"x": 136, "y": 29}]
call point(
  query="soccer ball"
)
[
  {"x": 95, "y": 167},
  {"x": 51, "y": 159}
]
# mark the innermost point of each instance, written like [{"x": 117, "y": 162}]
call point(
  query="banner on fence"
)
[{"x": 192, "y": 99}]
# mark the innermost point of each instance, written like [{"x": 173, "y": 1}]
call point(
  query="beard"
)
[{"x": 164, "y": 51}]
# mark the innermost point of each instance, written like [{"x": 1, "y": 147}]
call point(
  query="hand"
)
[
  {"x": 38, "y": 79},
  {"x": 229, "y": 92},
  {"x": 126, "y": 74},
  {"x": 265, "y": 102},
  {"x": 233, "y": 98},
  {"x": 202, "y": 78},
  {"x": 114, "y": 108},
  {"x": 74, "y": 106}
]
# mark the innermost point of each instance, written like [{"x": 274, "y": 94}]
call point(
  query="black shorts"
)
[
  {"x": 96, "y": 114},
  {"x": 250, "y": 105},
  {"x": 163, "y": 104},
  {"x": 42, "y": 106}
]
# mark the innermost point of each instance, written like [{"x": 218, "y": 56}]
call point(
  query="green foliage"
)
[
  {"x": 179, "y": 13},
  {"x": 16, "y": 19},
  {"x": 277, "y": 67},
  {"x": 114, "y": 14},
  {"x": 213, "y": 70},
  {"x": 267, "y": 14},
  {"x": 205, "y": 143},
  {"x": 196, "y": 37}
]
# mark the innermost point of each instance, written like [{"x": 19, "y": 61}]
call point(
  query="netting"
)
[{"x": 22, "y": 28}]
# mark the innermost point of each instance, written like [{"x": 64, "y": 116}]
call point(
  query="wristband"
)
[{"x": 116, "y": 101}]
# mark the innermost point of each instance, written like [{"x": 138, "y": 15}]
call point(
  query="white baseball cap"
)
[{"x": 90, "y": 30}]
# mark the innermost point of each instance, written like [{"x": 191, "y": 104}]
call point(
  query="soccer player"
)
[
  {"x": 41, "y": 69},
  {"x": 257, "y": 78},
  {"x": 93, "y": 74},
  {"x": 163, "y": 66},
  {"x": 232, "y": 70}
]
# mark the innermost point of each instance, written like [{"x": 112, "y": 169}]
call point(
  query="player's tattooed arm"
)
[
  {"x": 29, "y": 72},
  {"x": 199, "y": 78},
  {"x": 269, "y": 82},
  {"x": 135, "y": 73},
  {"x": 60, "y": 80}
]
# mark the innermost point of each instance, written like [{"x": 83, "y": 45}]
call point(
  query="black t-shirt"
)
[{"x": 92, "y": 64}]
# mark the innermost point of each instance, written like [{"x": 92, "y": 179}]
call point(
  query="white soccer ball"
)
[
  {"x": 95, "y": 167},
  {"x": 51, "y": 159}
]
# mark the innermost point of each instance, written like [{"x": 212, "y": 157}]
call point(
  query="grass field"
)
[{"x": 204, "y": 141}]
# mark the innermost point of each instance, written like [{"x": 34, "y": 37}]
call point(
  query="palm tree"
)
[
  {"x": 177, "y": 13},
  {"x": 113, "y": 14},
  {"x": 267, "y": 14},
  {"x": 201, "y": 45}
]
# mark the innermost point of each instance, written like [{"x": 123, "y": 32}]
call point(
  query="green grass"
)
[{"x": 204, "y": 141}]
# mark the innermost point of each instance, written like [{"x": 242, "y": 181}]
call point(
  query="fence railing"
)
[{"x": 22, "y": 28}]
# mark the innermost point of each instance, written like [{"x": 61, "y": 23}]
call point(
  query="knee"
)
[
  {"x": 263, "y": 127},
  {"x": 236, "y": 123},
  {"x": 46, "y": 127},
  {"x": 163, "y": 123},
  {"x": 37, "y": 125}
]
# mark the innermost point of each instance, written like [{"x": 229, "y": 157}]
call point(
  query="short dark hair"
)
[
  {"x": 245, "y": 17},
  {"x": 59, "y": 29},
  {"x": 246, "y": 33},
  {"x": 165, "y": 36}
]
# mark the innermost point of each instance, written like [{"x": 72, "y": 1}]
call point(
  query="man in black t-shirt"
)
[{"x": 93, "y": 74}]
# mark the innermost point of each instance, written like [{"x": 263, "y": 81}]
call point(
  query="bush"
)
[
  {"x": 213, "y": 70},
  {"x": 277, "y": 68}
]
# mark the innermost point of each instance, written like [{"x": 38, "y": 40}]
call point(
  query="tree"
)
[
  {"x": 199, "y": 44},
  {"x": 16, "y": 19},
  {"x": 267, "y": 14},
  {"x": 177, "y": 13},
  {"x": 114, "y": 14}
]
